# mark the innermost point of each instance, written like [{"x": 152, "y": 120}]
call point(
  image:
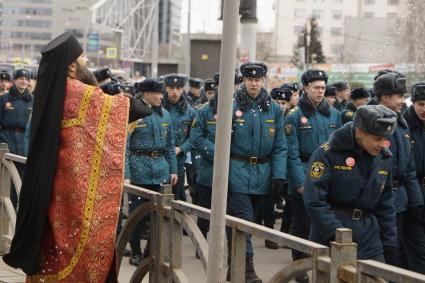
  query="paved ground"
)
[{"x": 267, "y": 263}]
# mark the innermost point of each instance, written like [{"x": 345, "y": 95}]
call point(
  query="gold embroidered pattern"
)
[
  {"x": 82, "y": 113},
  {"x": 91, "y": 197}
]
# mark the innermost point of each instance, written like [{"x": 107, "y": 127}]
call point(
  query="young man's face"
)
[
  {"x": 253, "y": 85},
  {"x": 331, "y": 100},
  {"x": 196, "y": 91},
  {"x": 153, "y": 98},
  {"x": 209, "y": 94},
  {"x": 316, "y": 91},
  {"x": 295, "y": 98},
  {"x": 174, "y": 93},
  {"x": 394, "y": 101},
  {"x": 419, "y": 107},
  {"x": 361, "y": 101},
  {"x": 370, "y": 143},
  {"x": 344, "y": 94},
  {"x": 21, "y": 83},
  {"x": 283, "y": 104}
]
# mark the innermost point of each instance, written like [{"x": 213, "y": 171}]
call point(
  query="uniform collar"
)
[
  {"x": 308, "y": 109},
  {"x": 245, "y": 102},
  {"x": 15, "y": 94},
  {"x": 343, "y": 140},
  {"x": 181, "y": 105},
  {"x": 351, "y": 107},
  {"x": 158, "y": 109}
]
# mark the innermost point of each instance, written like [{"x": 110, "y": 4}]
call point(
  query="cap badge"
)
[
  {"x": 175, "y": 80},
  {"x": 254, "y": 72},
  {"x": 389, "y": 129},
  {"x": 320, "y": 73}
]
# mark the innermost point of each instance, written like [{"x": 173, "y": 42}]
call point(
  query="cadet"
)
[
  {"x": 359, "y": 97},
  {"x": 150, "y": 156},
  {"x": 330, "y": 95},
  {"x": 408, "y": 200},
  {"x": 258, "y": 153},
  {"x": 196, "y": 94},
  {"x": 182, "y": 115},
  {"x": 415, "y": 117},
  {"x": 349, "y": 185},
  {"x": 203, "y": 136},
  {"x": 15, "y": 108},
  {"x": 342, "y": 94},
  {"x": 306, "y": 127},
  {"x": 4, "y": 81},
  {"x": 284, "y": 97},
  {"x": 210, "y": 88}
]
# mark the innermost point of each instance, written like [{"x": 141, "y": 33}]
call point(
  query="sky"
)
[{"x": 204, "y": 15}]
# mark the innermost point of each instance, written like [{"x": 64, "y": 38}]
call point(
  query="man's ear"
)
[{"x": 72, "y": 67}]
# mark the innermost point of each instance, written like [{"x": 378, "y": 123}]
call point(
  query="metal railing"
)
[{"x": 168, "y": 219}]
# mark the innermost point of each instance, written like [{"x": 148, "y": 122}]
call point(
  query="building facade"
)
[{"x": 332, "y": 16}]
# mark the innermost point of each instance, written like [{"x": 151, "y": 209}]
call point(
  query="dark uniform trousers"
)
[
  {"x": 246, "y": 207},
  {"x": 204, "y": 200},
  {"x": 134, "y": 202}
]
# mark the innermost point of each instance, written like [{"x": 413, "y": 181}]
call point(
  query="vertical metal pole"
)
[
  {"x": 222, "y": 140},
  {"x": 154, "y": 65},
  {"x": 189, "y": 50}
]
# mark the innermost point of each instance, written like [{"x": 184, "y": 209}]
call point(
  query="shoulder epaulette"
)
[
  {"x": 293, "y": 110},
  {"x": 325, "y": 146}
]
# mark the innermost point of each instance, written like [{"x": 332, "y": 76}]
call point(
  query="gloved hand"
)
[
  {"x": 416, "y": 213},
  {"x": 390, "y": 254},
  {"x": 277, "y": 189}
]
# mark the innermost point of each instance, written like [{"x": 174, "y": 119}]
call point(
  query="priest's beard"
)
[{"x": 85, "y": 76}]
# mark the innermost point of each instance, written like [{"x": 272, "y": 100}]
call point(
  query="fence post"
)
[
  {"x": 238, "y": 256},
  {"x": 343, "y": 252},
  {"x": 160, "y": 238},
  {"x": 5, "y": 193}
]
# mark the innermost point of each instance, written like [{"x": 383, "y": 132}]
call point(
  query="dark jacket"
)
[{"x": 341, "y": 175}]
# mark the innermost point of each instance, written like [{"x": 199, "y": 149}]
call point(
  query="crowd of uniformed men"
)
[{"x": 311, "y": 148}]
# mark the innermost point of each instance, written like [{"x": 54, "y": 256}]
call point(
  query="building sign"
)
[
  {"x": 93, "y": 42},
  {"x": 111, "y": 53}
]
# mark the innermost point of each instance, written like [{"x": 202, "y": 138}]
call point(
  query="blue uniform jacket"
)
[
  {"x": 403, "y": 168},
  {"x": 307, "y": 128},
  {"x": 363, "y": 183},
  {"x": 154, "y": 132},
  {"x": 257, "y": 132},
  {"x": 15, "y": 110},
  {"x": 203, "y": 136},
  {"x": 417, "y": 129},
  {"x": 182, "y": 115}
]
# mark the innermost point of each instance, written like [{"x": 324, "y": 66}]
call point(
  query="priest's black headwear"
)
[{"x": 37, "y": 183}]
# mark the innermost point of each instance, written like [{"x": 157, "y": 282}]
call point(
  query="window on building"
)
[
  {"x": 393, "y": 2},
  {"x": 317, "y": 13},
  {"x": 299, "y": 13},
  {"x": 335, "y": 32},
  {"x": 337, "y": 15},
  {"x": 336, "y": 49},
  {"x": 369, "y": 2},
  {"x": 298, "y": 30},
  {"x": 369, "y": 15}
]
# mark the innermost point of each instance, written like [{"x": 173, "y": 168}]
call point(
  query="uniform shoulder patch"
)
[
  {"x": 317, "y": 169},
  {"x": 349, "y": 114},
  {"x": 288, "y": 129}
]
